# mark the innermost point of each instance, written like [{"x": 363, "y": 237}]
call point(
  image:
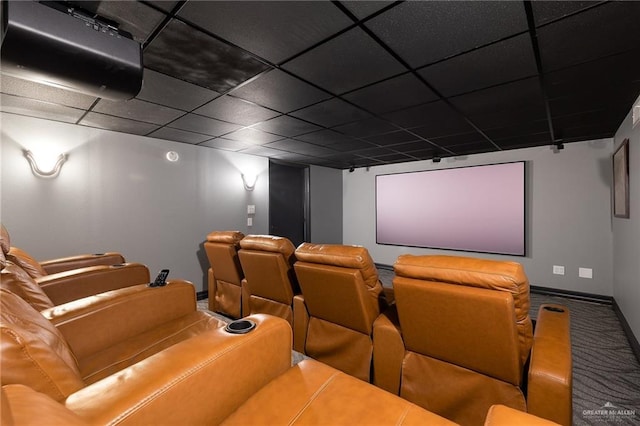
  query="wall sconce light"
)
[
  {"x": 249, "y": 181},
  {"x": 39, "y": 172}
]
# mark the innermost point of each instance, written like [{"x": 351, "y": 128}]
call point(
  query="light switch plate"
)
[
  {"x": 585, "y": 272},
  {"x": 558, "y": 270},
  {"x": 251, "y": 209}
]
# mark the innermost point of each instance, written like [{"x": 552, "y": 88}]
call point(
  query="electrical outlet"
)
[
  {"x": 249, "y": 221},
  {"x": 585, "y": 272},
  {"x": 558, "y": 270},
  {"x": 251, "y": 209}
]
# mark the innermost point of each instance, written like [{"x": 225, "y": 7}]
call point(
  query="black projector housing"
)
[{"x": 66, "y": 48}]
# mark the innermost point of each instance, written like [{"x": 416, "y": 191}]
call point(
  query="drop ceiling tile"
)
[
  {"x": 226, "y": 144},
  {"x": 134, "y": 17},
  {"x": 351, "y": 145},
  {"x": 408, "y": 147},
  {"x": 39, "y": 109},
  {"x": 545, "y": 11},
  {"x": 605, "y": 74},
  {"x": 274, "y": 30},
  {"x": 393, "y": 138},
  {"x": 595, "y": 33},
  {"x": 199, "y": 124},
  {"x": 179, "y": 135},
  {"x": 300, "y": 147},
  {"x": 183, "y": 52},
  {"x": 429, "y": 114},
  {"x": 168, "y": 91},
  {"x": 531, "y": 127},
  {"x": 280, "y": 91},
  {"x": 166, "y": 5},
  {"x": 422, "y": 32},
  {"x": 389, "y": 95},
  {"x": 498, "y": 106},
  {"x": 331, "y": 113},
  {"x": 347, "y": 62},
  {"x": 367, "y": 127},
  {"x": 136, "y": 109},
  {"x": 287, "y": 126},
  {"x": 472, "y": 148},
  {"x": 325, "y": 137},
  {"x": 234, "y": 110},
  {"x": 117, "y": 124},
  {"x": 525, "y": 141},
  {"x": 264, "y": 151},
  {"x": 461, "y": 139},
  {"x": 29, "y": 89},
  {"x": 363, "y": 8},
  {"x": 498, "y": 63},
  {"x": 374, "y": 152},
  {"x": 252, "y": 136}
]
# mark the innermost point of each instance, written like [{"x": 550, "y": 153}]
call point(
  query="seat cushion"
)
[{"x": 314, "y": 393}]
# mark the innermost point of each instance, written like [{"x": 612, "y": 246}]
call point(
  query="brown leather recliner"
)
[
  {"x": 270, "y": 281},
  {"x": 225, "y": 274},
  {"x": 39, "y": 269},
  {"x": 45, "y": 290},
  {"x": 61, "y": 350},
  {"x": 462, "y": 339},
  {"x": 218, "y": 378},
  {"x": 341, "y": 298}
]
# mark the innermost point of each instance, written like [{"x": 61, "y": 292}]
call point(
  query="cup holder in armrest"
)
[
  {"x": 241, "y": 326},
  {"x": 553, "y": 309}
]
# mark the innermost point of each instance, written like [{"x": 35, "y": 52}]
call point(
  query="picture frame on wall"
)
[{"x": 621, "y": 180}]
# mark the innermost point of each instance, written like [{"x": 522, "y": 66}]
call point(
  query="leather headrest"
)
[
  {"x": 346, "y": 256},
  {"x": 20, "y": 283},
  {"x": 268, "y": 243},
  {"x": 225, "y": 237},
  {"x": 5, "y": 240}
]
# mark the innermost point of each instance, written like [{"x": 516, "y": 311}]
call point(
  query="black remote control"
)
[{"x": 161, "y": 279}]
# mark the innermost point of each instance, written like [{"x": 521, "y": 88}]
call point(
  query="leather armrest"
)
[
  {"x": 550, "y": 371},
  {"x": 95, "y": 323},
  {"x": 19, "y": 404},
  {"x": 62, "y": 264},
  {"x": 388, "y": 351},
  {"x": 63, "y": 287},
  {"x": 201, "y": 380},
  {"x": 246, "y": 295},
  {"x": 300, "y": 323},
  {"x": 500, "y": 415}
]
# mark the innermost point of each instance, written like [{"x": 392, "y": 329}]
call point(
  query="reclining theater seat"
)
[
  {"x": 39, "y": 269},
  {"x": 270, "y": 282},
  {"x": 462, "y": 339},
  {"x": 61, "y": 350},
  {"x": 225, "y": 272},
  {"x": 341, "y": 298},
  {"x": 249, "y": 375}
]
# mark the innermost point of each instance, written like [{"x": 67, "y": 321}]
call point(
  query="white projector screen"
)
[{"x": 478, "y": 208}]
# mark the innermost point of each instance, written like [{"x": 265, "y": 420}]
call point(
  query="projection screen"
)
[{"x": 477, "y": 208}]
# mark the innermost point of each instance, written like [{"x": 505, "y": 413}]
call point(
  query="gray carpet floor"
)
[{"x": 606, "y": 374}]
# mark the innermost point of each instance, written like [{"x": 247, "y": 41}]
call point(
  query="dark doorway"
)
[{"x": 289, "y": 201}]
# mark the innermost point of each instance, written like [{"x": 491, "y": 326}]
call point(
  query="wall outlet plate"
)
[
  {"x": 585, "y": 272},
  {"x": 558, "y": 270}
]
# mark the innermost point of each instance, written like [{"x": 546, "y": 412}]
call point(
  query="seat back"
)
[
  {"x": 18, "y": 281},
  {"x": 267, "y": 262},
  {"x": 225, "y": 273},
  {"x": 343, "y": 297},
  {"x": 34, "y": 352},
  {"x": 465, "y": 322}
]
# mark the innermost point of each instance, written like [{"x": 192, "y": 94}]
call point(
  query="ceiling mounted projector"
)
[{"x": 65, "y": 47}]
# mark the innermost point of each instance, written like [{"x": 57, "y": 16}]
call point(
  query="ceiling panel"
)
[
  {"x": 422, "y": 32},
  {"x": 199, "y": 124},
  {"x": 164, "y": 90},
  {"x": 274, "y": 30},
  {"x": 234, "y": 110},
  {"x": 362, "y": 83},
  {"x": 188, "y": 54},
  {"x": 287, "y": 126},
  {"x": 136, "y": 109},
  {"x": 102, "y": 121},
  {"x": 595, "y": 33},
  {"x": 392, "y": 94},
  {"x": 331, "y": 113},
  {"x": 508, "y": 60},
  {"x": 280, "y": 91},
  {"x": 349, "y": 61}
]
